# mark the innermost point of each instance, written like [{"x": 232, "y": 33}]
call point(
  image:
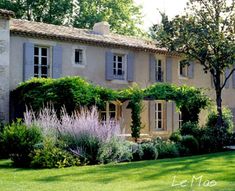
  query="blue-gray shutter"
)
[
  {"x": 169, "y": 116},
  {"x": 176, "y": 117},
  {"x": 28, "y": 59},
  {"x": 227, "y": 71},
  {"x": 152, "y": 68},
  {"x": 57, "y": 62},
  {"x": 233, "y": 77},
  {"x": 130, "y": 66},
  {"x": 152, "y": 127},
  {"x": 169, "y": 62},
  {"x": 191, "y": 70},
  {"x": 109, "y": 65}
]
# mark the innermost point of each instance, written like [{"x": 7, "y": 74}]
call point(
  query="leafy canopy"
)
[
  {"x": 206, "y": 33},
  {"x": 123, "y": 16}
]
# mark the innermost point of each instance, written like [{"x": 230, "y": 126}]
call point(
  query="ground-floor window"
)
[
  {"x": 159, "y": 114},
  {"x": 111, "y": 112},
  {"x": 180, "y": 120}
]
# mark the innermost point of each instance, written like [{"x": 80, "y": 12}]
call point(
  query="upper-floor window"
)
[
  {"x": 119, "y": 66},
  {"x": 79, "y": 57},
  {"x": 159, "y": 71},
  {"x": 183, "y": 69},
  {"x": 159, "y": 116},
  {"x": 41, "y": 62}
]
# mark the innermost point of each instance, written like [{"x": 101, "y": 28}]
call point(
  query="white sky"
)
[{"x": 150, "y": 12}]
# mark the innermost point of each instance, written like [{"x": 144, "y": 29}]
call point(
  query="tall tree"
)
[
  {"x": 123, "y": 16},
  {"x": 49, "y": 11},
  {"x": 206, "y": 33}
]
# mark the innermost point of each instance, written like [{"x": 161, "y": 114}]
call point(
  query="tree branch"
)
[{"x": 226, "y": 79}]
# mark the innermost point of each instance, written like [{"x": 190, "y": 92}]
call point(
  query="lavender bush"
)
[{"x": 82, "y": 132}]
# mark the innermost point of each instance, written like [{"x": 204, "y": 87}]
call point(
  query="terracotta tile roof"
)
[
  {"x": 6, "y": 14},
  {"x": 63, "y": 33}
]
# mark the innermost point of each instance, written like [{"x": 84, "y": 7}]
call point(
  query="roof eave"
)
[{"x": 90, "y": 42}]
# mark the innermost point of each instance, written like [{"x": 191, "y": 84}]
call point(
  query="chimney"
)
[{"x": 101, "y": 28}]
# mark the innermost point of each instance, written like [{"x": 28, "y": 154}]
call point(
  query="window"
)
[
  {"x": 180, "y": 120},
  {"x": 118, "y": 66},
  {"x": 183, "y": 69},
  {"x": 110, "y": 112},
  {"x": 79, "y": 57},
  {"x": 158, "y": 115},
  {"x": 41, "y": 62},
  {"x": 159, "y": 71}
]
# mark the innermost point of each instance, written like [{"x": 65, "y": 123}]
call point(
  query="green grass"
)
[{"x": 144, "y": 175}]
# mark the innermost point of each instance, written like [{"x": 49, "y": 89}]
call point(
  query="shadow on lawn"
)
[{"x": 148, "y": 170}]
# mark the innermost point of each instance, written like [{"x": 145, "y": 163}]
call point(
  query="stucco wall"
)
[
  {"x": 94, "y": 71},
  {"x": 4, "y": 69}
]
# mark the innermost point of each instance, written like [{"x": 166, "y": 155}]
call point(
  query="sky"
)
[{"x": 150, "y": 12}]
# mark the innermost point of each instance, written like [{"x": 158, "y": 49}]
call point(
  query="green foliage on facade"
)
[{"x": 74, "y": 93}]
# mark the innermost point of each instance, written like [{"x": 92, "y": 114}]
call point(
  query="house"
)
[{"x": 31, "y": 49}]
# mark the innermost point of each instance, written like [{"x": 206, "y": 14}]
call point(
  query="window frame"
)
[
  {"x": 39, "y": 65},
  {"x": 157, "y": 67},
  {"x": 185, "y": 69},
  {"x": 116, "y": 68},
  {"x": 156, "y": 116},
  {"x": 118, "y": 112},
  {"x": 84, "y": 60}
]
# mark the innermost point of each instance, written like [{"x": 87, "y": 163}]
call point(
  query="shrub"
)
[
  {"x": 216, "y": 137},
  {"x": 166, "y": 149},
  {"x": 19, "y": 140},
  {"x": 191, "y": 143},
  {"x": 115, "y": 150},
  {"x": 49, "y": 155},
  {"x": 227, "y": 119},
  {"x": 82, "y": 131},
  {"x": 137, "y": 152},
  {"x": 3, "y": 152},
  {"x": 149, "y": 151},
  {"x": 191, "y": 128},
  {"x": 176, "y": 137}
]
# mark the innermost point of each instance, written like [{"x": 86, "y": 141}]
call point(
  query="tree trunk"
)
[
  {"x": 219, "y": 108},
  {"x": 218, "y": 99}
]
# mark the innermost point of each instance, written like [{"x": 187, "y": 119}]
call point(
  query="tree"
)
[
  {"x": 49, "y": 11},
  {"x": 123, "y": 16},
  {"x": 206, "y": 33}
]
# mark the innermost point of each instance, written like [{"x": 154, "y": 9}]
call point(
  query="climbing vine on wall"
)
[{"x": 75, "y": 92}]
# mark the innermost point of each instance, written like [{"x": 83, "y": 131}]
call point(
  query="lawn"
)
[{"x": 156, "y": 175}]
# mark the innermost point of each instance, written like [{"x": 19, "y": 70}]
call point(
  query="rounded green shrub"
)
[
  {"x": 19, "y": 141},
  {"x": 190, "y": 128},
  {"x": 137, "y": 152},
  {"x": 50, "y": 155},
  {"x": 191, "y": 143},
  {"x": 115, "y": 150},
  {"x": 149, "y": 151},
  {"x": 176, "y": 137},
  {"x": 166, "y": 149}
]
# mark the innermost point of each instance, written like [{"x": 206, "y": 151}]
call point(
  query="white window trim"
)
[
  {"x": 180, "y": 76},
  {"x": 49, "y": 60},
  {"x": 84, "y": 59},
  {"x": 156, "y": 116},
  {"x": 124, "y": 53}
]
